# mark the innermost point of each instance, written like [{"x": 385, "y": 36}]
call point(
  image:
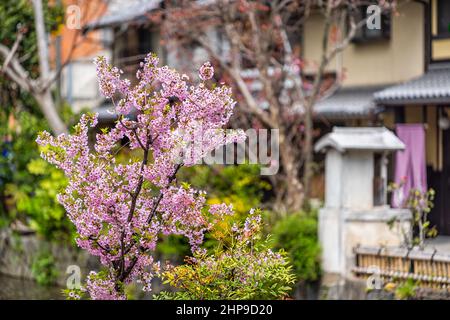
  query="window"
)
[
  {"x": 438, "y": 28},
  {"x": 145, "y": 37},
  {"x": 443, "y": 17},
  {"x": 130, "y": 48},
  {"x": 364, "y": 34}
]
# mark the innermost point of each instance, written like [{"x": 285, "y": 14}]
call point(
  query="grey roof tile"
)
[
  {"x": 432, "y": 87},
  {"x": 353, "y": 102}
]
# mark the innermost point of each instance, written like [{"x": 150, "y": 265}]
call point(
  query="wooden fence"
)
[{"x": 430, "y": 268}]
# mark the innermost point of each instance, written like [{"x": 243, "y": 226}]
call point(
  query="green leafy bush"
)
[
  {"x": 17, "y": 150},
  {"x": 297, "y": 234},
  {"x": 241, "y": 185},
  {"x": 244, "y": 269},
  {"x": 44, "y": 270},
  {"x": 39, "y": 203},
  {"x": 420, "y": 203},
  {"x": 28, "y": 185},
  {"x": 406, "y": 290}
]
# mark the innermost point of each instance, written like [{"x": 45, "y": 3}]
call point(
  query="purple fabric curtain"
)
[{"x": 410, "y": 164}]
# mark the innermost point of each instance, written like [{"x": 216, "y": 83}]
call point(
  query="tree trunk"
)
[
  {"x": 41, "y": 37},
  {"x": 44, "y": 97},
  {"x": 308, "y": 154},
  {"x": 293, "y": 198},
  {"x": 47, "y": 106}
]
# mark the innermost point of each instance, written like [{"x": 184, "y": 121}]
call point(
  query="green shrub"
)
[
  {"x": 16, "y": 152},
  {"x": 28, "y": 185},
  {"x": 406, "y": 290},
  {"x": 298, "y": 235},
  {"x": 240, "y": 185},
  {"x": 44, "y": 270},
  {"x": 39, "y": 203},
  {"x": 173, "y": 248},
  {"x": 244, "y": 269}
]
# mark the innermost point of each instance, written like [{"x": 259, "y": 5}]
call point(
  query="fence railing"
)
[{"x": 430, "y": 268}]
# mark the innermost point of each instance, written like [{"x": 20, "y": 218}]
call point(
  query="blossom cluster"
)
[{"x": 120, "y": 209}]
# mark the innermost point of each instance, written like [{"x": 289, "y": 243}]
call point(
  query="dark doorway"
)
[{"x": 440, "y": 182}]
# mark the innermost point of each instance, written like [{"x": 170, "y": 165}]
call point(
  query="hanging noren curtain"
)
[{"x": 410, "y": 164}]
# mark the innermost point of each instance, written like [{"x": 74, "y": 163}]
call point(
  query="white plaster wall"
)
[
  {"x": 357, "y": 177},
  {"x": 333, "y": 179},
  {"x": 330, "y": 239},
  {"x": 79, "y": 83}
]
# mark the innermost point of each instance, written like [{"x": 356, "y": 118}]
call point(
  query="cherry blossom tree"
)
[{"x": 120, "y": 209}]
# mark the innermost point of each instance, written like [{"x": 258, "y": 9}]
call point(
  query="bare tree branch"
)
[
  {"x": 13, "y": 50},
  {"x": 14, "y": 70}
]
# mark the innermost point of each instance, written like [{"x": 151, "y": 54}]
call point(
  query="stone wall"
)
[{"x": 19, "y": 251}]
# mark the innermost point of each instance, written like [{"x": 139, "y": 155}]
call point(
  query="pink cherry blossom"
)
[
  {"x": 120, "y": 209},
  {"x": 206, "y": 71}
]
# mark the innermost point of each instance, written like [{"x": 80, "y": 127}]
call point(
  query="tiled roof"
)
[
  {"x": 348, "y": 103},
  {"x": 432, "y": 87},
  {"x": 360, "y": 138}
]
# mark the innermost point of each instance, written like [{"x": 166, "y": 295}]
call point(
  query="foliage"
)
[
  {"x": 18, "y": 148},
  {"x": 28, "y": 185},
  {"x": 119, "y": 210},
  {"x": 244, "y": 269},
  {"x": 38, "y": 202},
  {"x": 420, "y": 204},
  {"x": 173, "y": 247},
  {"x": 297, "y": 234},
  {"x": 44, "y": 270},
  {"x": 240, "y": 185},
  {"x": 406, "y": 290}
]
